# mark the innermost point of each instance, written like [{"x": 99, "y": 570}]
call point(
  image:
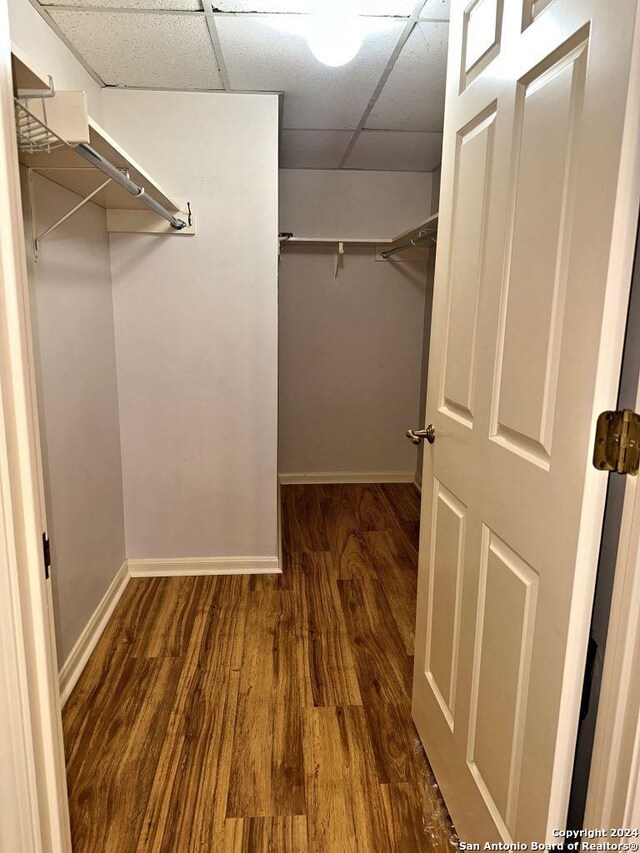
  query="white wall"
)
[
  {"x": 350, "y": 355},
  {"x": 31, "y": 34},
  {"x": 74, "y": 344},
  {"x": 75, "y": 351},
  {"x": 196, "y": 329}
]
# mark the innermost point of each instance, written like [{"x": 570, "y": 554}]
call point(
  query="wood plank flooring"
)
[{"x": 264, "y": 713}]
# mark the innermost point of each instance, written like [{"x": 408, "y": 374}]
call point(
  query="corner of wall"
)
[{"x": 35, "y": 34}]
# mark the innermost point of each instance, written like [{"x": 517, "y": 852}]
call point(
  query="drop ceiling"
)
[{"x": 382, "y": 111}]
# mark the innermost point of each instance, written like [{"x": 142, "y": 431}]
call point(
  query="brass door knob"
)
[{"x": 416, "y": 435}]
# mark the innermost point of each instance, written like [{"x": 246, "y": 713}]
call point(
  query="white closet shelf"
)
[
  {"x": 65, "y": 167},
  {"x": 412, "y": 242},
  {"x": 59, "y": 140},
  {"x": 430, "y": 224},
  {"x": 403, "y": 241}
]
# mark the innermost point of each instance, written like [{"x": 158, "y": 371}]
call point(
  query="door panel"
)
[
  {"x": 445, "y": 599},
  {"x": 548, "y": 111},
  {"x": 474, "y": 151},
  {"x": 502, "y": 658},
  {"x": 531, "y": 10},
  {"x": 528, "y": 318},
  {"x": 481, "y": 37}
]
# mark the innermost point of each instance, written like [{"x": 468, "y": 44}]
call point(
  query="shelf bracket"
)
[
  {"x": 339, "y": 255},
  {"x": 38, "y": 239}
]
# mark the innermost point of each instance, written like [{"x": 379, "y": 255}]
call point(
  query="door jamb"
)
[
  {"x": 27, "y": 664},
  {"x": 38, "y": 812},
  {"x": 613, "y": 798}
]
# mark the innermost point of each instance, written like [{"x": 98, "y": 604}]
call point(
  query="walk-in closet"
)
[{"x": 318, "y": 425}]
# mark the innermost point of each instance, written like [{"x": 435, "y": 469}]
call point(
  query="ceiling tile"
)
[
  {"x": 436, "y": 9},
  {"x": 396, "y": 151},
  {"x": 313, "y": 149},
  {"x": 393, "y": 8},
  {"x": 276, "y": 6},
  {"x": 153, "y": 5},
  {"x": 413, "y": 96},
  {"x": 126, "y": 49},
  {"x": 265, "y": 53}
]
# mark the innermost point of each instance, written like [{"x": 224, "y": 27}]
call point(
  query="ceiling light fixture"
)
[{"x": 335, "y": 31}]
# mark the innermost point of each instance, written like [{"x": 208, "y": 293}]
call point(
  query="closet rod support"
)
[
  {"x": 409, "y": 244},
  {"x": 58, "y": 222},
  {"x": 121, "y": 177},
  {"x": 336, "y": 266}
]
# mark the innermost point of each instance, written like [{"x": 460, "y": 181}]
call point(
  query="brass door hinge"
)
[{"x": 617, "y": 445}]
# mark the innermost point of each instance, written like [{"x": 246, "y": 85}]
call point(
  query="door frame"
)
[
  {"x": 33, "y": 806},
  {"x": 613, "y": 794},
  {"x": 37, "y": 811},
  {"x": 613, "y": 797}
]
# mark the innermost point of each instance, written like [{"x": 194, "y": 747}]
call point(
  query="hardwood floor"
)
[{"x": 264, "y": 713}]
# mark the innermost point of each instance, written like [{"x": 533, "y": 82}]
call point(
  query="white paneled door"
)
[{"x": 538, "y": 210}]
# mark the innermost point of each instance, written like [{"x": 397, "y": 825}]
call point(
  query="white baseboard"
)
[
  {"x": 348, "y": 477},
  {"x": 195, "y": 566},
  {"x": 418, "y": 481},
  {"x": 86, "y": 642}
]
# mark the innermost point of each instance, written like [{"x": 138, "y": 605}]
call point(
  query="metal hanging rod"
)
[
  {"x": 34, "y": 135},
  {"x": 126, "y": 183},
  {"x": 415, "y": 242}
]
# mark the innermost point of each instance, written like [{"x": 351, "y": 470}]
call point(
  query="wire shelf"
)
[
  {"x": 33, "y": 134},
  {"x": 35, "y": 112}
]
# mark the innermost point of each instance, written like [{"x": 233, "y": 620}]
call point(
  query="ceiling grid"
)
[
  {"x": 215, "y": 43},
  {"x": 383, "y": 79},
  {"x": 382, "y": 111}
]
